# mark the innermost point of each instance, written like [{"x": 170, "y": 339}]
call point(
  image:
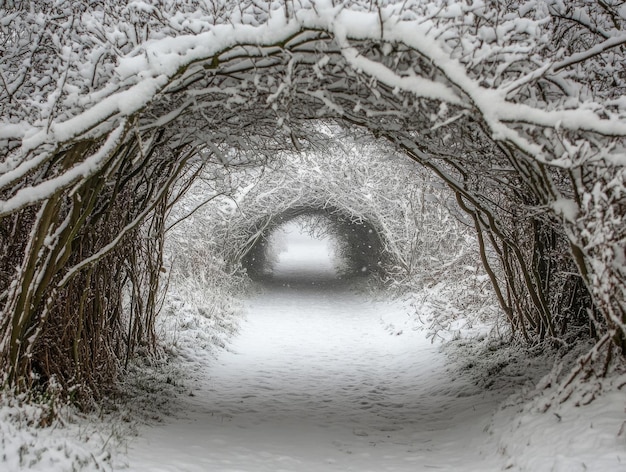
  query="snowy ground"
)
[
  {"x": 315, "y": 382},
  {"x": 324, "y": 378}
]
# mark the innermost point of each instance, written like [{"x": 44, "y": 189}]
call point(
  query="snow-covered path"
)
[
  {"x": 317, "y": 381},
  {"x": 324, "y": 378}
]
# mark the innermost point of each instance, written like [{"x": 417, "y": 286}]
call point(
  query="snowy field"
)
[{"x": 321, "y": 377}]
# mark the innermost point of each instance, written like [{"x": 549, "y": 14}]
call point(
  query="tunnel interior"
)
[
  {"x": 312, "y": 246},
  {"x": 303, "y": 250}
]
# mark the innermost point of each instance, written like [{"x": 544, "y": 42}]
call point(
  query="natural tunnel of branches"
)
[{"x": 87, "y": 183}]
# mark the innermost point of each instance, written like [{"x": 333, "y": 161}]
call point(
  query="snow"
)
[
  {"x": 417, "y": 85},
  {"x": 68, "y": 443},
  {"x": 567, "y": 208},
  {"x": 43, "y": 190}
]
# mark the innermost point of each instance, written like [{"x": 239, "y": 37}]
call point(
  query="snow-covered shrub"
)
[
  {"x": 40, "y": 432},
  {"x": 200, "y": 287}
]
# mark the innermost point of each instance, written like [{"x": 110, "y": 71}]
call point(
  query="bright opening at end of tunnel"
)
[{"x": 300, "y": 254}]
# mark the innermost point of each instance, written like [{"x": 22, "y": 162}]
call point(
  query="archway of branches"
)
[{"x": 88, "y": 188}]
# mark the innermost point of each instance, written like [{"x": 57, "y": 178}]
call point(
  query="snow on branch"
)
[
  {"x": 83, "y": 170},
  {"x": 441, "y": 34}
]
